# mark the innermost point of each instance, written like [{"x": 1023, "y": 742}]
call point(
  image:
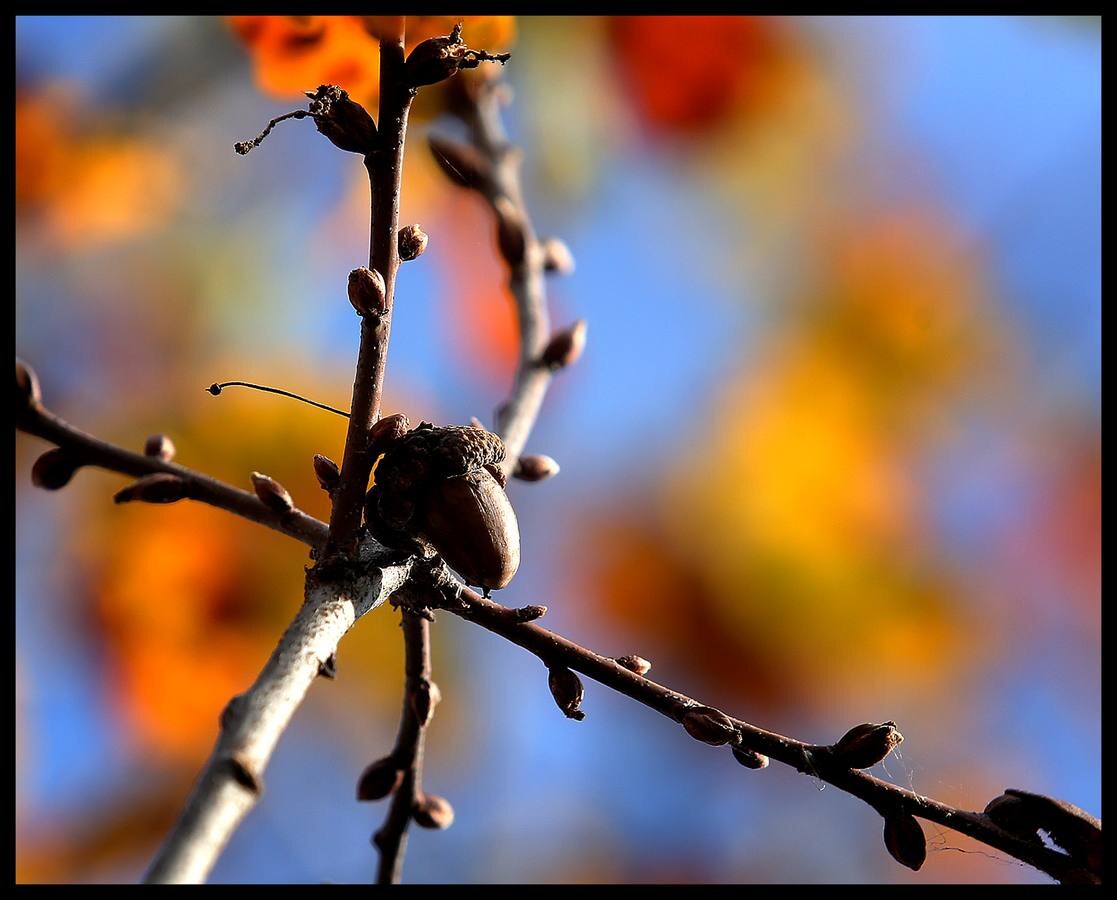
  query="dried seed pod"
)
[
  {"x": 345, "y": 122},
  {"x": 557, "y": 257},
  {"x": 709, "y": 725},
  {"x": 160, "y": 446},
  {"x": 634, "y": 663},
  {"x": 530, "y": 613},
  {"x": 367, "y": 292},
  {"x": 904, "y": 838},
  {"x": 271, "y": 493},
  {"x": 750, "y": 759},
  {"x": 424, "y": 699},
  {"x": 27, "y": 386},
  {"x": 567, "y": 689},
  {"x": 866, "y": 745},
  {"x": 432, "y": 811},
  {"x": 511, "y": 233},
  {"x": 412, "y": 241},
  {"x": 535, "y": 467},
  {"x": 54, "y": 469},
  {"x": 462, "y": 163},
  {"x": 379, "y": 779},
  {"x": 435, "y": 59},
  {"x": 161, "y": 487},
  {"x": 327, "y": 473},
  {"x": 565, "y": 347}
]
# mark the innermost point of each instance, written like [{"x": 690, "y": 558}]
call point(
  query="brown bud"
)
[
  {"x": 710, "y": 726},
  {"x": 511, "y": 236},
  {"x": 54, "y": 469},
  {"x": 27, "y": 386},
  {"x": 379, "y": 779},
  {"x": 367, "y": 292},
  {"x": 634, "y": 663},
  {"x": 565, "y": 347},
  {"x": 557, "y": 257},
  {"x": 160, "y": 446},
  {"x": 161, "y": 487},
  {"x": 463, "y": 164},
  {"x": 567, "y": 689},
  {"x": 904, "y": 838},
  {"x": 432, "y": 811},
  {"x": 470, "y": 522},
  {"x": 327, "y": 668},
  {"x": 272, "y": 494},
  {"x": 866, "y": 745},
  {"x": 345, "y": 122},
  {"x": 435, "y": 59},
  {"x": 1025, "y": 814},
  {"x": 750, "y": 759},
  {"x": 412, "y": 242},
  {"x": 387, "y": 431},
  {"x": 530, "y": 613},
  {"x": 327, "y": 473},
  {"x": 535, "y": 467},
  {"x": 424, "y": 699}
]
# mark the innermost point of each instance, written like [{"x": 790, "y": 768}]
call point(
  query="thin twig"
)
[
  {"x": 418, "y": 692},
  {"x": 811, "y": 759},
  {"x": 90, "y": 451}
]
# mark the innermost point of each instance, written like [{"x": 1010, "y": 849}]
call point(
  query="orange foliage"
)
[
  {"x": 293, "y": 54},
  {"x": 686, "y": 74}
]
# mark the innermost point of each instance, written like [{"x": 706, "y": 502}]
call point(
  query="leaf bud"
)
[
  {"x": 461, "y": 163},
  {"x": 160, "y": 446},
  {"x": 27, "y": 386},
  {"x": 432, "y": 811},
  {"x": 557, "y": 257},
  {"x": 367, "y": 292},
  {"x": 511, "y": 234},
  {"x": 424, "y": 699},
  {"x": 379, "y": 779},
  {"x": 566, "y": 347},
  {"x": 272, "y": 494},
  {"x": 750, "y": 759},
  {"x": 866, "y": 745},
  {"x": 327, "y": 473},
  {"x": 904, "y": 838},
  {"x": 634, "y": 663},
  {"x": 54, "y": 469},
  {"x": 567, "y": 689},
  {"x": 161, "y": 487},
  {"x": 709, "y": 725},
  {"x": 530, "y": 613},
  {"x": 535, "y": 467},
  {"x": 412, "y": 242}
]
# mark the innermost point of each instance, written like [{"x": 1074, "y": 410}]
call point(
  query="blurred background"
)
[{"x": 832, "y": 454}]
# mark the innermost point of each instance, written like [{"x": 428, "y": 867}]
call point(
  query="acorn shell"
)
[{"x": 470, "y": 522}]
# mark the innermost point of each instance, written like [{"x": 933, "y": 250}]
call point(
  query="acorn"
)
[{"x": 433, "y": 488}]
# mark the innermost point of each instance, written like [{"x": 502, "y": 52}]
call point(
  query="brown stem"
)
[
  {"x": 91, "y": 451},
  {"x": 810, "y": 759},
  {"x": 391, "y": 839},
  {"x": 385, "y": 169}
]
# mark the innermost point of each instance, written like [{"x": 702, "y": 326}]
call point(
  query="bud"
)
[
  {"x": 557, "y": 257},
  {"x": 328, "y": 668},
  {"x": 530, "y": 613},
  {"x": 565, "y": 347},
  {"x": 412, "y": 242},
  {"x": 634, "y": 663},
  {"x": 461, "y": 163},
  {"x": 566, "y": 688},
  {"x": 1024, "y": 814},
  {"x": 866, "y": 745},
  {"x": 54, "y": 469},
  {"x": 272, "y": 494},
  {"x": 387, "y": 431},
  {"x": 367, "y": 292},
  {"x": 27, "y": 386},
  {"x": 432, "y": 811},
  {"x": 159, "y": 488},
  {"x": 327, "y": 473},
  {"x": 424, "y": 699},
  {"x": 160, "y": 446},
  {"x": 379, "y": 779},
  {"x": 511, "y": 236},
  {"x": 535, "y": 467},
  {"x": 750, "y": 759},
  {"x": 345, "y": 122},
  {"x": 435, "y": 59},
  {"x": 905, "y": 840},
  {"x": 709, "y": 725}
]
